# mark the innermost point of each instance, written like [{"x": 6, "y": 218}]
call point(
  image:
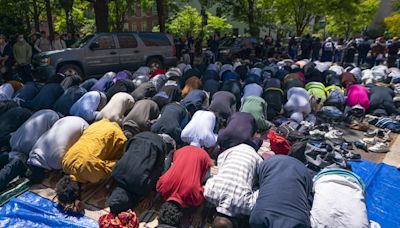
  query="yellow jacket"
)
[{"x": 93, "y": 156}]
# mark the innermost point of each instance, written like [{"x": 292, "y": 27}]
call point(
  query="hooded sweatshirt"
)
[
  {"x": 182, "y": 182},
  {"x": 93, "y": 156},
  {"x": 116, "y": 108},
  {"x": 50, "y": 148},
  {"x": 200, "y": 130}
]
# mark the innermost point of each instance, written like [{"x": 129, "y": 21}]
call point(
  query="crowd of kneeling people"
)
[{"x": 161, "y": 131}]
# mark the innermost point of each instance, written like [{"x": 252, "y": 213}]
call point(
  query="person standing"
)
[
  {"x": 190, "y": 44},
  {"x": 393, "y": 51},
  {"x": 43, "y": 43},
  {"x": 58, "y": 43},
  {"x": 339, "y": 49},
  {"x": 306, "y": 46},
  {"x": 22, "y": 51},
  {"x": 327, "y": 50},
  {"x": 6, "y": 55},
  {"x": 363, "y": 49},
  {"x": 350, "y": 51},
  {"x": 292, "y": 48},
  {"x": 214, "y": 46},
  {"x": 316, "y": 48},
  {"x": 378, "y": 51}
]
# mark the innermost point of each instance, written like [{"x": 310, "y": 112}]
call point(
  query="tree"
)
[
  {"x": 67, "y": 6},
  {"x": 189, "y": 20},
  {"x": 392, "y": 23},
  {"x": 252, "y": 12},
  {"x": 352, "y": 20},
  {"x": 101, "y": 14},
  {"x": 160, "y": 14},
  {"x": 118, "y": 14},
  {"x": 49, "y": 18}
]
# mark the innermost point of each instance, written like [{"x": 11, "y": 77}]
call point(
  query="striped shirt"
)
[{"x": 231, "y": 190}]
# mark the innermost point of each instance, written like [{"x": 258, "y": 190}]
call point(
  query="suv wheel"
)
[
  {"x": 70, "y": 70},
  {"x": 155, "y": 62}
]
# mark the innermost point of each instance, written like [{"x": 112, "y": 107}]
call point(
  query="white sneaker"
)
[
  {"x": 334, "y": 134},
  {"x": 379, "y": 148},
  {"x": 317, "y": 132}
]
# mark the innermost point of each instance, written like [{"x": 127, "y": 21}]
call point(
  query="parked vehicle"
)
[
  {"x": 237, "y": 47},
  {"x": 102, "y": 52}
]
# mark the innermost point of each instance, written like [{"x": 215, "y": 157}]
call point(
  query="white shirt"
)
[{"x": 49, "y": 150}]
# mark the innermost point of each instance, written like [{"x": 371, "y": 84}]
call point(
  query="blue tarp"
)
[
  {"x": 382, "y": 184},
  {"x": 31, "y": 210}
]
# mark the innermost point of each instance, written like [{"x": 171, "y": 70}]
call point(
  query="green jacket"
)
[
  {"x": 22, "y": 53},
  {"x": 257, "y": 107}
]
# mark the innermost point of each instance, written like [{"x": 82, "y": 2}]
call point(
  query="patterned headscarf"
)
[{"x": 126, "y": 219}]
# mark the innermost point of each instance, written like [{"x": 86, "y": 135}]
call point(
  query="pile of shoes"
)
[{"x": 376, "y": 141}]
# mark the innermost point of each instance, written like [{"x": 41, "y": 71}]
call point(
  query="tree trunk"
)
[
  {"x": 253, "y": 28},
  {"x": 67, "y": 6},
  {"x": 36, "y": 16},
  {"x": 160, "y": 14},
  {"x": 49, "y": 19},
  {"x": 101, "y": 15}
]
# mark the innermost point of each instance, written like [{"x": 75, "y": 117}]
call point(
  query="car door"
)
[
  {"x": 102, "y": 55},
  {"x": 130, "y": 56}
]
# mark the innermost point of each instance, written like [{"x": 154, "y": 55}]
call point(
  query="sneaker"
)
[
  {"x": 379, "y": 148},
  {"x": 371, "y": 133},
  {"x": 361, "y": 145},
  {"x": 317, "y": 132},
  {"x": 333, "y": 134},
  {"x": 369, "y": 141}
]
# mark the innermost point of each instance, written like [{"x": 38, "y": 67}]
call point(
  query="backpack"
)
[{"x": 328, "y": 46}]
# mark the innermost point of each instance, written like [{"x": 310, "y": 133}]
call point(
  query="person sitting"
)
[
  {"x": 345, "y": 193},
  {"x": 6, "y": 92},
  {"x": 240, "y": 128},
  {"x": 211, "y": 82},
  {"x": 347, "y": 79},
  {"x": 195, "y": 100},
  {"x": 10, "y": 121},
  {"x": 231, "y": 190},
  {"x": 70, "y": 96},
  {"x": 89, "y": 105},
  {"x": 173, "y": 92},
  {"x": 144, "y": 91},
  {"x": 27, "y": 92},
  {"x": 223, "y": 104},
  {"x": 381, "y": 101},
  {"x": 173, "y": 118},
  {"x": 104, "y": 83},
  {"x": 317, "y": 93},
  {"x": 45, "y": 98},
  {"x": 140, "y": 117},
  {"x": 273, "y": 95},
  {"x": 138, "y": 171},
  {"x": 192, "y": 83},
  {"x": 357, "y": 100},
  {"x": 72, "y": 80},
  {"x": 21, "y": 143},
  {"x": 252, "y": 89},
  {"x": 89, "y": 160},
  {"x": 257, "y": 107},
  {"x": 277, "y": 208},
  {"x": 233, "y": 86},
  {"x": 125, "y": 86},
  {"x": 116, "y": 108},
  {"x": 298, "y": 105},
  {"x": 200, "y": 130},
  {"x": 50, "y": 148},
  {"x": 181, "y": 185},
  {"x": 159, "y": 81}
]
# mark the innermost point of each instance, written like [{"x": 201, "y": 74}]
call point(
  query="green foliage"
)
[
  {"x": 12, "y": 16},
  {"x": 188, "y": 19},
  {"x": 393, "y": 24},
  {"x": 352, "y": 20},
  {"x": 81, "y": 19}
]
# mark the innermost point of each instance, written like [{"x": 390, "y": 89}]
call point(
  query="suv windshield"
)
[{"x": 82, "y": 42}]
